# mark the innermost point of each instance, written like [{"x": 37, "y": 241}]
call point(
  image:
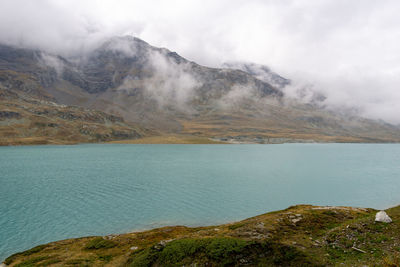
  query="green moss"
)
[
  {"x": 28, "y": 252},
  {"x": 10, "y": 259},
  {"x": 330, "y": 213},
  {"x": 380, "y": 238},
  {"x": 49, "y": 262},
  {"x": 177, "y": 250},
  {"x": 221, "y": 251},
  {"x": 183, "y": 251},
  {"x": 290, "y": 256},
  {"x": 34, "y": 250},
  {"x": 79, "y": 262},
  {"x": 143, "y": 258},
  {"x": 236, "y": 226},
  {"x": 32, "y": 261},
  {"x": 377, "y": 227},
  {"x": 106, "y": 258},
  {"x": 100, "y": 242},
  {"x": 332, "y": 236},
  {"x": 347, "y": 243},
  {"x": 222, "y": 248},
  {"x": 360, "y": 238}
]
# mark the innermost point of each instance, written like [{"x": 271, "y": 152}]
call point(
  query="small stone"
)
[
  {"x": 134, "y": 248},
  {"x": 382, "y": 217},
  {"x": 164, "y": 242},
  {"x": 296, "y": 220},
  {"x": 243, "y": 261},
  {"x": 260, "y": 225}
]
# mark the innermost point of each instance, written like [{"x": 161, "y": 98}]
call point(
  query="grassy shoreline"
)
[
  {"x": 299, "y": 235},
  {"x": 169, "y": 139},
  {"x": 163, "y": 139}
]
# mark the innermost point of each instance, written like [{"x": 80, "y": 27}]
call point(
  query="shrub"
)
[
  {"x": 174, "y": 253},
  {"x": 100, "y": 242},
  {"x": 221, "y": 248},
  {"x": 235, "y": 226}
]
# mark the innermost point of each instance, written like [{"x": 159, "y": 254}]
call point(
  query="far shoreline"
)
[{"x": 187, "y": 139}]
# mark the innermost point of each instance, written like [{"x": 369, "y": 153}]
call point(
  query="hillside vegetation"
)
[
  {"x": 298, "y": 236},
  {"x": 29, "y": 120},
  {"x": 126, "y": 85}
]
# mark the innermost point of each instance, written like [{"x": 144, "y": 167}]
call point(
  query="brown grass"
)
[
  {"x": 169, "y": 139},
  {"x": 322, "y": 235}
]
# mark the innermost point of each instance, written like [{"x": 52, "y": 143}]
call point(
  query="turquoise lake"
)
[{"x": 48, "y": 193}]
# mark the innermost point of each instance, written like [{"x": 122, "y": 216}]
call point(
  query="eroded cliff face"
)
[{"x": 160, "y": 90}]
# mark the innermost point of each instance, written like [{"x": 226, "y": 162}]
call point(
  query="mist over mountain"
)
[
  {"x": 306, "y": 93},
  {"x": 156, "y": 89},
  {"x": 261, "y": 72},
  {"x": 345, "y": 51}
]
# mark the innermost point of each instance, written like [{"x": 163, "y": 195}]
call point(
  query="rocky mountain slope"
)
[
  {"x": 298, "y": 236},
  {"x": 159, "y": 90},
  {"x": 29, "y": 120},
  {"x": 261, "y": 72}
]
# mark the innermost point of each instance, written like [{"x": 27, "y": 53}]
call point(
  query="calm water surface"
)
[{"x": 49, "y": 193}]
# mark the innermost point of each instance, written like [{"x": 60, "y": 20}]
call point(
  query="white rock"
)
[
  {"x": 134, "y": 248},
  {"x": 296, "y": 220},
  {"x": 382, "y": 217}
]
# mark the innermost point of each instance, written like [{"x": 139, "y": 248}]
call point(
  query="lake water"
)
[{"x": 49, "y": 193}]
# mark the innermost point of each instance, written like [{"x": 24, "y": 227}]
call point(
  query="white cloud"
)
[
  {"x": 349, "y": 49},
  {"x": 171, "y": 83}
]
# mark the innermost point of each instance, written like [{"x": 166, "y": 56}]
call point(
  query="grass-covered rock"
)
[
  {"x": 100, "y": 242},
  {"x": 298, "y": 236}
]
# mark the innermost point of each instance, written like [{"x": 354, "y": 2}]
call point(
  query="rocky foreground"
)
[{"x": 298, "y": 236}]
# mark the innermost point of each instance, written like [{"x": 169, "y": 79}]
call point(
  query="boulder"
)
[{"x": 382, "y": 217}]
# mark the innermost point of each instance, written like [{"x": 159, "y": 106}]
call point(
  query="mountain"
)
[
  {"x": 157, "y": 91},
  {"x": 261, "y": 72},
  {"x": 29, "y": 120},
  {"x": 306, "y": 93}
]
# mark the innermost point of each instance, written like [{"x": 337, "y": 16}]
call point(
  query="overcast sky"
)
[{"x": 349, "y": 49}]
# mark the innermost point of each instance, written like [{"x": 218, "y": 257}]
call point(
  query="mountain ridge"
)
[{"x": 157, "y": 89}]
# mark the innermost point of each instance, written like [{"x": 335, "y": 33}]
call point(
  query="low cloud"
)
[
  {"x": 122, "y": 45},
  {"x": 237, "y": 95},
  {"x": 348, "y": 50},
  {"x": 53, "y": 62},
  {"x": 170, "y": 83}
]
